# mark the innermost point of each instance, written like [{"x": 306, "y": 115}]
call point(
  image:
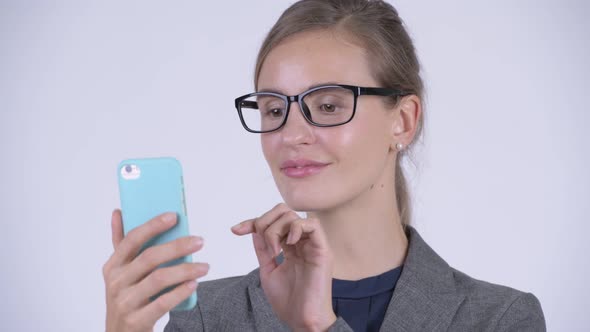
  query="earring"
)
[{"x": 399, "y": 146}]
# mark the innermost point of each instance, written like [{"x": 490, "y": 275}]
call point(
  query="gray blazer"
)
[{"x": 429, "y": 296}]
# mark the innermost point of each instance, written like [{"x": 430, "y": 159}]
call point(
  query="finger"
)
[
  {"x": 295, "y": 232},
  {"x": 116, "y": 228},
  {"x": 262, "y": 223},
  {"x": 153, "y": 257},
  {"x": 163, "y": 304},
  {"x": 163, "y": 278},
  {"x": 245, "y": 227},
  {"x": 312, "y": 228},
  {"x": 266, "y": 259},
  {"x": 278, "y": 231},
  {"x": 131, "y": 244}
]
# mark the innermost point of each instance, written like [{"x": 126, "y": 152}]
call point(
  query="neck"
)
[{"x": 365, "y": 235}]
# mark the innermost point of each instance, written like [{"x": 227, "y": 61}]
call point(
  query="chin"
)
[
  {"x": 309, "y": 195},
  {"x": 308, "y": 202},
  {"x": 302, "y": 206}
]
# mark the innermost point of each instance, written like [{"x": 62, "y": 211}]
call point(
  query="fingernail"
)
[
  {"x": 238, "y": 226},
  {"x": 290, "y": 238},
  {"x": 191, "y": 284},
  {"x": 169, "y": 217},
  {"x": 196, "y": 242}
]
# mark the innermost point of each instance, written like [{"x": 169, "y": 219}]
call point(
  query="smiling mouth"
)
[{"x": 303, "y": 171}]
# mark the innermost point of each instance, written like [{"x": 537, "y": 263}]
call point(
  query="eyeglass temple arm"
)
[
  {"x": 248, "y": 104},
  {"x": 381, "y": 92}
]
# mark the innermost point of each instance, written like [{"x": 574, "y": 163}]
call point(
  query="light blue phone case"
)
[{"x": 149, "y": 187}]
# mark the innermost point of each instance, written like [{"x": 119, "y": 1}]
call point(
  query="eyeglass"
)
[{"x": 322, "y": 106}]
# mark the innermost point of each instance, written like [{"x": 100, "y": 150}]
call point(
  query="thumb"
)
[
  {"x": 264, "y": 254},
  {"x": 116, "y": 228}
]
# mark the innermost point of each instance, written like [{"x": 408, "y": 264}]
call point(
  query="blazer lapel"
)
[
  {"x": 264, "y": 318},
  {"x": 425, "y": 297}
]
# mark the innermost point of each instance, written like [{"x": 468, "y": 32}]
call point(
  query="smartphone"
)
[{"x": 149, "y": 187}]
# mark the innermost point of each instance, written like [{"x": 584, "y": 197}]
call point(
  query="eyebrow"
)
[{"x": 308, "y": 88}]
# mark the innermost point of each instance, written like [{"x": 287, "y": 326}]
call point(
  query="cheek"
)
[
  {"x": 362, "y": 137},
  {"x": 269, "y": 147},
  {"x": 341, "y": 137},
  {"x": 365, "y": 153}
]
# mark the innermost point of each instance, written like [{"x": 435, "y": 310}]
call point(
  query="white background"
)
[{"x": 501, "y": 185}]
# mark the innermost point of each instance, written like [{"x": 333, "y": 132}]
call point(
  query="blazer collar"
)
[
  {"x": 424, "y": 299},
  {"x": 264, "y": 318}
]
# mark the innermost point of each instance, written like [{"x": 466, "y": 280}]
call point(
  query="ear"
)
[{"x": 405, "y": 122}]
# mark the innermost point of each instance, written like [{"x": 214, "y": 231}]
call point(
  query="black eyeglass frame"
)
[{"x": 356, "y": 90}]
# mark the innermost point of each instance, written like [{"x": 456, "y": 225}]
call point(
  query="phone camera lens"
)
[{"x": 128, "y": 168}]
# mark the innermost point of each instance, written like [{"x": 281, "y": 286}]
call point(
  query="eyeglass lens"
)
[{"x": 324, "y": 106}]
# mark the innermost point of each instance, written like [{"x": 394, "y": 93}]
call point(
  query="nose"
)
[{"x": 297, "y": 130}]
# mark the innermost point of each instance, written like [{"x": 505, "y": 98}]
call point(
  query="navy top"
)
[{"x": 362, "y": 303}]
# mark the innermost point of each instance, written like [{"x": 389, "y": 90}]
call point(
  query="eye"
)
[
  {"x": 275, "y": 113},
  {"x": 328, "y": 108}
]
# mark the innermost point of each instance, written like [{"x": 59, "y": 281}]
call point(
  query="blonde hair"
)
[{"x": 377, "y": 27}]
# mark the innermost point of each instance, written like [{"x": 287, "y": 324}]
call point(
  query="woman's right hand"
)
[
  {"x": 131, "y": 279},
  {"x": 300, "y": 288}
]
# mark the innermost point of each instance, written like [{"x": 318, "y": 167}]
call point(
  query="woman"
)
[{"x": 338, "y": 105}]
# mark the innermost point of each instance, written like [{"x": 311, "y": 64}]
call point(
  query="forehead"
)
[{"x": 312, "y": 58}]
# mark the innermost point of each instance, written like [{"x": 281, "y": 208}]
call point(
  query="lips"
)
[{"x": 302, "y": 167}]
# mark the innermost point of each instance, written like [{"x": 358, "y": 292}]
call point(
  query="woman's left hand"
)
[{"x": 300, "y": 288}]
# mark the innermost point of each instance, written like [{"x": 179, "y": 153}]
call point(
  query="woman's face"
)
[{"x": 353, "y": 156}]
